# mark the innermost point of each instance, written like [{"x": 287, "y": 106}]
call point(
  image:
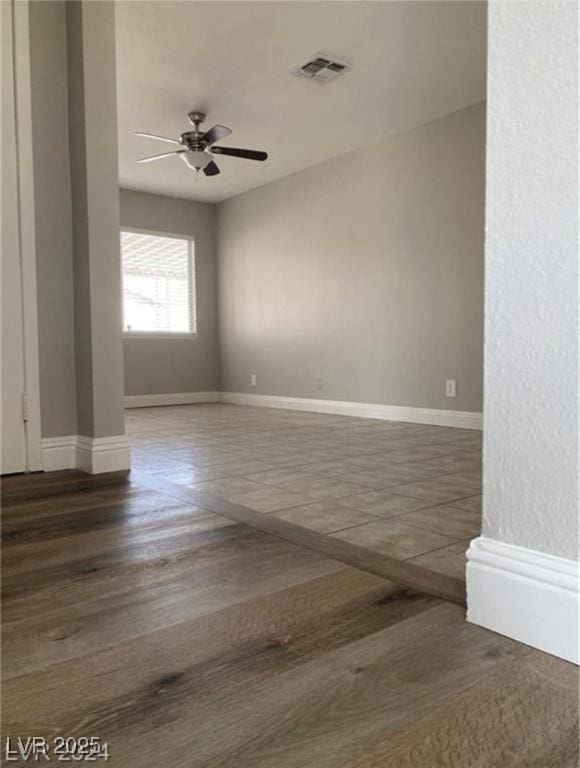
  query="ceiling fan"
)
[{"x": 196, "y": 147}]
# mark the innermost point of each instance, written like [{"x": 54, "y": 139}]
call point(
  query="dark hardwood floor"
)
[{"x": 183, "y": 637}]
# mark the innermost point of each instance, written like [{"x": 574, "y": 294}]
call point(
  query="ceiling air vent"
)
[{"x": 322, "y": 67}]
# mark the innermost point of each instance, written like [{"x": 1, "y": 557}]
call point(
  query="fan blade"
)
[
  {"x": 158, "y": 157},
  {"x": 211, "y": 169},
  {"x": 159, "y": 138},
  {"x": 217, "y": 133},
  {"x": 247, "y": 154}
]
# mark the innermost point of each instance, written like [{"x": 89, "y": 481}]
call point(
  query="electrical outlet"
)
[
  {"x": 253, "y": 380},
  {"x": 319, "y": 382},
  {"x": 450, "y": 388}
]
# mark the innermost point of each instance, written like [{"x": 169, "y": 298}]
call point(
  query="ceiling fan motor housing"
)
[{"x": 192, "y": 140}]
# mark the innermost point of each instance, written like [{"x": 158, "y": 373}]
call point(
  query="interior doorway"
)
[{"x": 21, "y": 442}]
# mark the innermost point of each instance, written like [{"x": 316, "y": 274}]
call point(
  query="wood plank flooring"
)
[{"x": 185, "y": 638}]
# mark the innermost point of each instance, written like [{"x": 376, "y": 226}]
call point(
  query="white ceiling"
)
[{"x": 412, "y": 62}]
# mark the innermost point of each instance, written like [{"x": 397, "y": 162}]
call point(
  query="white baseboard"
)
[
  {"x": 433, "y": 416},
  {"x": 526, "y": 595},
  {"x": 93, "y": 455},
  {"x": 103, "y": 454},
  {"x": 59, "y": 453},
  {"x": 173, "y": 398},
  {"x": 110, "y": 454}
]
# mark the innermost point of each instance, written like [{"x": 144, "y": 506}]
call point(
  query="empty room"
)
[{"x": 290, "y": 383}]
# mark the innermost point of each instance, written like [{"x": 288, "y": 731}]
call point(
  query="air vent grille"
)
[{"x": 322, "y": 68}]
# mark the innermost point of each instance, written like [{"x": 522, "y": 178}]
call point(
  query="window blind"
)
[{"x": 158, "y": 288}]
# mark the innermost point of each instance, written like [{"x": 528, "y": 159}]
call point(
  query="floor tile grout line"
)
[
  {"x": 437, "y": 549},
  {"x": 398, "y": 517},
  {"x": 378, "y": 518},
  {"x": 327, "y": 533},
  {"x": 429, "y": 530},
  {"x": 364, "y": 489},
  {"x": 413, "y": 462}
]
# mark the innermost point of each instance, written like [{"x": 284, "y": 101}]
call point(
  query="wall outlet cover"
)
[
  {"x": 450, "y": 388},
  {"x": 253, "y": 380}
]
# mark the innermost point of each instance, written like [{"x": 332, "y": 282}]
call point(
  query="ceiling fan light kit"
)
[
  {"x": 196, "y": 145},
  {"x": 196, "y": 160}
]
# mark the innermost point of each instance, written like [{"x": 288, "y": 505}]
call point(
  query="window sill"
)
[{"x": 157, "y": 335}]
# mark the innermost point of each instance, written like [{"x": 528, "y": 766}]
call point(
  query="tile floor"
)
[{"x": 405, "y": 490}]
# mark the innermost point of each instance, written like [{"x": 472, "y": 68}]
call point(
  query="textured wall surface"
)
[
  {"x": 160, "y": 366},
  {"x": 366, "y": 271},
  {"x": 531, "y": 328}
]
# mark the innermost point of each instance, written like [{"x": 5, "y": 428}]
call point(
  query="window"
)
[{"x": 158, "y": 284}]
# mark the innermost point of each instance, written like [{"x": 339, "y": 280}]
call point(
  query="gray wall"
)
[
  {"x": 95, "y": 216},
  {"x": 53, "y": 217},
  {"x": 76, "y": 218},
  {"x": 366, "y": 270},
  {"x": 159, "y": 366}
]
